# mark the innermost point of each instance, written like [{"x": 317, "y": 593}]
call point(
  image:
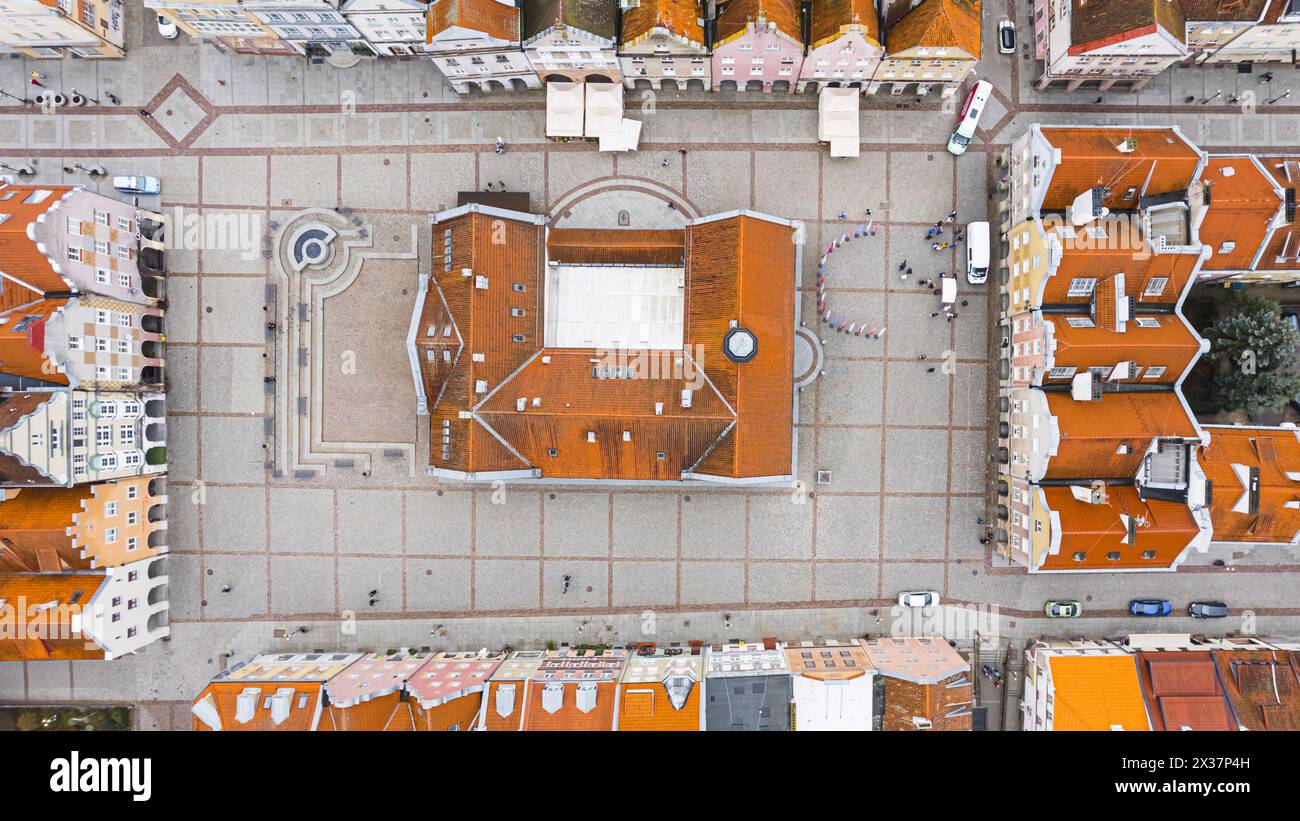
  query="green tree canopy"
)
[{"x": 1253, "y": 359}]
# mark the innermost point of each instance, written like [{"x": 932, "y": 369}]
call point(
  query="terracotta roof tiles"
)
[
  {"x": 680, "y": 17},
  {"x": 938, "y": 24},
  {"x": 830, "y": 17},
  {"x": 735, "y": 18},
  {"x": 491, "y": 17},
  {"x": 1092, "y": 432}
]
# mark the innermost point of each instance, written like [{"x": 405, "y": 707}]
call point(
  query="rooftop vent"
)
[
  {"x": 1127, "y": 145},
  {"x": 739, "y": 344}
]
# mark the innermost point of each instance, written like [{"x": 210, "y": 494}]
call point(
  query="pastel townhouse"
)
[
  {"x": 1107, "y": 42},
  {"x": 759, "y": 45},
  {"x": 475, "y": 44},
  {"x": 932, "y": 43},
  {"x": 1272, "y": 38},
  {"x": 271, "y": 691},
  {"x": 748, "y": 687},
  {"x": 447, "y": 693},
  {"x": 100, "y": 614},
  {"x": 370, "y": 694},
  {"x": 834, "y": 685},
  {"x": 88, "y": 527},
  {"x": 62, "y": 238},
  {"x": 226, "y": 24},
  {"x": 844, "y": 45},
  {"x": 571, "y": 41},
  {"x": 664, "y": 44},
  {"x": 663, "y": 689},
  {"x": 66, "y": 437},
  {"x": 82, "y": 342},
  {"x": 53, "y": 29},
  {"x": 393, "y": 28}
]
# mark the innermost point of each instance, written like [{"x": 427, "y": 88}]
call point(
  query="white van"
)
[
  {"x": 977, "y": 252},
  {"x": 969, "y": 117}
]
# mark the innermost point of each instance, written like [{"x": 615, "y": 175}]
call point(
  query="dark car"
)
[
  {"x": 1207, "y": 610},
  {"x": 1150, "y": 607}
]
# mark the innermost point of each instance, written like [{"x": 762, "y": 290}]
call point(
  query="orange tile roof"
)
[
  {"x": 569, "y": 716},
  {"x": 1102, "y": 262},
  {"x": 616, "y": 246},
  {"x": 49, "y": 634},
  {"x": 1243, "y": 205},
  {"x": 1172, "y": 344},
  {"x": 735, "y": 18},
  {"x": 938, "y": 24},
  {"x": 1097, "y": 693},
  {"x": 1182, "y": 691},
  {"x": 738, "y": 269},
  {"x": 1163, "y": 162},
  {"x": 681, "y": 17},
  {"x": 1264, "y": 686},
  {"x": 945, "y": 706},
  {"x": 1092, "y": 432},
  {"x": 1283, "y": 250},
  {"x": 222, "y": 698},
  {"x": 1096, "y": 530},
  {"x": 1096, "y": 23},
  {"x": 491, "y": 17},
  {"x": 653, "y": 681},
  {"x": 387, "y": 712},
  {"x": 830, "y": 17},
  {"x": 1272, "y": 453}
]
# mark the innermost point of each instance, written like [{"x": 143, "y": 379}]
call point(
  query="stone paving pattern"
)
[{"x": 907, "y": 449}]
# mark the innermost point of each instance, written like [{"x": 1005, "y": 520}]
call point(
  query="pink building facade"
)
[{"x": 757, "y": 53}]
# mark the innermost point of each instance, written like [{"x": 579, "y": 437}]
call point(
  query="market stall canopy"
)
[
  {"x": 604, "y": 108},
  {"x": 837, "y": 120},
  {"x": 564, "y": 109},
  {"x": 625, "y": 139},
  {"x": 949, "y": 290}
]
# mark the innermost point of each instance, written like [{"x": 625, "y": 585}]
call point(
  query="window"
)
[
  {"x": 133, "y": 492},
  {"x": 122, "y": 374},
  {"x": 132, "y": 543},
  {"x": 102, "y": 276},
  {"x": 1080, "y": 322},
  {"x": 124, "y": 280},
  {"x": 123, "y": 252},
  {"x": 101, "y": 316},
  {"x": 74, "y": 226},
  {"x": 124, "y": 223},
  {"x": 38, "y": 196},
  {"x": 124, "y": 320},
  {"x": 1155, "y": 286},
  {"x": 101, "y": 372},
  {"x": 1082, "y": 286},
  {"x": 1147, "y": 322},
  {"x": 1064, "y": 372},
  {"x": 74, "y": 343},
  {"x": 101, "y": 246},
  {"x": 74, "y": 254},
  {"x": 110, "y": 509},
  {"x": 103, "y": 434},
  {"x": 132, "y": 459},
  {"x": 110, "y": 536},
  {"x": 122, "y": 346},
  {"x": 101, "y": 344},
  {"x": 1154, "y": 372},
  {"x": 133, "y": 517}
]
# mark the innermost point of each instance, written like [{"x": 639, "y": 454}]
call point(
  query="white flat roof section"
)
[
  {"x": 611, "y": 307},
  {"x": 837, "y": 120}
]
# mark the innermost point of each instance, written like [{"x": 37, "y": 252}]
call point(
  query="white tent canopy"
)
[
  {"x": 626, "y": 138},
  {"x": 837, "y": 120},
  {"x": 564, "y": 109},
  {"x": 604, "y": 108},
  {"x": 949, "y": 294}
]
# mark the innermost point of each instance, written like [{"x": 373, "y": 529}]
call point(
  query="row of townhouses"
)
[
  {"x": 1102, "y": 464},
  {"x": 82, "y": 426},
  {"x": 863, "y": 684},
  {"x": 484, "y": 45},
  {"x": 1162, "y": 682},
  {"x": 1103, "y": 43}
]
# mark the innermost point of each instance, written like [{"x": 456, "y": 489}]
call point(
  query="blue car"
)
[{"x": 1150, "y": 607}]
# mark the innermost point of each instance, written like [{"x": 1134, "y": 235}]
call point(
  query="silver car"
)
[{"x": 137, "y": 185}]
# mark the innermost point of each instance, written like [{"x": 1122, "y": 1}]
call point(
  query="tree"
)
[{"x": 1252, "y": 360}]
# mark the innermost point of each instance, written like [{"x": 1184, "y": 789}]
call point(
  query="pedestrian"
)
[
  {"x": 933, "y": 314},
  {"x": 938, "y": 225},
  {"x": 929, "y": 370},
  {"x": 929, "y": 233},
  {"x": 225, "y": 588},
  {"x": 671, "y": 207},
  {"x": 489, "y": 187},
  {"x": 1266, "y": 77},
  {"x": 902, "y": 265},
  {"x": 372, "y": 602},
  {"x": 904, "y": 276},
  {"x": 221, "y": 82},
  {"x": 113, "y": 98},
  {"x": 868, "y": 212},
  {"x": 502, "y": 185},
  {"x": 682, "y": 151},
  {"x": 909, "y": 273},
  {"x": 1098, "y": 101},
  {"x": 950, "y": 316},
  {"x": 922, "y": 357},
  {"x": 984, "y": 541},
  {"x": 501, "y": 145},
  {"x": 964, "y": 303},
  {"x": 844, "y": 215},
  {"x": 923, "y": 282},
  {"x": 952, "y": 215},
  {"x": 979, "y": 520},
  {"x": 665, "y": 162},
  {"x": 374, "y": 594},
  {"x": 144, "y": 112},
  {"x": 935, "y": 246}
]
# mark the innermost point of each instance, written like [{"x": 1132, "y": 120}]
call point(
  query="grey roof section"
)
[
  {"x": 598, "y": 17},
  {"x": 749, "y": 703}
]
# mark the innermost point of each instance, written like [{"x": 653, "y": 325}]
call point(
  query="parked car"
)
[
  {"x": 969, "y": 118},
  {"x": 918, "y": 598},
  {"x": 167, "y": 28},
  {"x": 1007, "y": 37},
  {"x": 137, "y": 185},
  {"x": 977, "y": 252},
  {"x": 1066, "y": 609},
  {"x": 1207, "y": 610},
  {"x": 1150, "y": 607}
]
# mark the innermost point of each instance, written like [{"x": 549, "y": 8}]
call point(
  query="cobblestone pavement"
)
[{"x": 306, "y": 493}]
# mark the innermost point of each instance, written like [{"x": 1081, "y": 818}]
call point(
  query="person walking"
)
[
  {"x": 952, "y": 215},
  {"x": 929, "y": 370},
  {"x": 902, "y": 265},
  {"x": 225, "y": 588},
  {"x": 144, "y": 112}
]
